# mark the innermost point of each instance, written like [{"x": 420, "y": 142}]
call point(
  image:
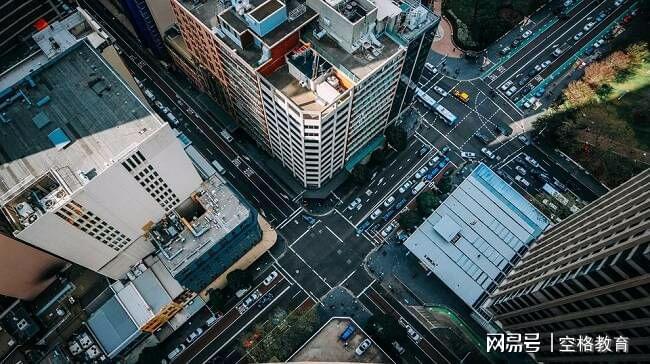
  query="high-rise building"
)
[
  {"x": 19, "y": 19},
  {"x": 84, "y": 164},
  {"x": 312, "y": 82},
  {"x": 144, "y": 20},
  {"x": 589, "y": 275}
]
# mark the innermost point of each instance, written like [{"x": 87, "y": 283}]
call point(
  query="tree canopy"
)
[
  {"x": 410, "y": 220},
  {"x": 151, "y": 355},
  {"x": 361, "y": 174},
  {"x": 427, "y": 202},
  {"x": 396, "y": 136},
  {"x": 239, "y": 279}
]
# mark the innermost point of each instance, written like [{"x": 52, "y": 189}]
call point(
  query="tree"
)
[
  {"x": 410, "y": 220},
  {"x": 216, "y": 300},
  {"x": 427, "y": 202},
  {"x": 578, "y": 93},
  {"x": 239, "y": 279},
  {"x": 598, "y": 73},
  {"x": 638, "y": 53},
  {"x": 361, "y": 174},
  {"x": 445, "y": 185},
  {"x": 618, "y": 60},
  {"x": 396, "y": 137},
  {"x": 604, "y": 91},
  {"x": 378, "y": 157},
  {"x": 151, "y": 355}
]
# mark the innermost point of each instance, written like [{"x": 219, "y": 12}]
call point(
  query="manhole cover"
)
[
  {"x": 339, "y": 252},
  {"x": 348, "y": 261}
]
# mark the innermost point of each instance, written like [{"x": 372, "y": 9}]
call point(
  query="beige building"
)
[{"x": 588, "y": 275}]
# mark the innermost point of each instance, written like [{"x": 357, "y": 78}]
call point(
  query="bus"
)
[
  {"x": 202, "y": 165},
  {"x": 448, "y": 116},
  {"x": 555, "y": 194}
]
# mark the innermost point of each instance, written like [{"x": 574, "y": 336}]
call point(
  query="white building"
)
[
  {"x": 85, "y": 166},
  {"x": 476, "y": 235}
]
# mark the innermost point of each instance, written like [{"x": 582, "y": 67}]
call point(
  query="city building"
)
[
  {"x": 477, "y": 234},
  {"x": 19, "y": 19},
  {"x": 311, "y": 82},
  {"x": 85, "y": 165},
  {"x": 145, "y": 16},
  {"x": 587, "y": 276}
]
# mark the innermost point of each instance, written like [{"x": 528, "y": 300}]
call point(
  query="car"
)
[
  {"x": 461, "y": 95},
  {"x": 431, "y": 68},
  {"x": 598, "y": 43},
  {"x": 578, "y": 36},
  {"x": 560, "y": 185},
  {"x": 194, "y": 335},
  {"x": 389, "y": 201},
  {"x": 211, "y": 320},
  {"x": 405, "y": 186},
  {"x": 545, "y": 64},
  {"x": 504, "y": 51},
  {"x": 526, "y": 34},
  {"x": 530, "y": 102},
  {"x": 522, "y": 180},
  {"x": 419, "y": 174},
  {"x": 540, "y": 92},
  {"x": 270, "y": 278},
  {"x": 433, "y": 161},
  {"x": 354, "y": 203},
  {"x": 608, "y": 9},
  {"x": 506, "y": 85},
  {"x": 375, "y": 214},
  {"x": 627, "y": 19},
  {"x": 365, "y": 344},
  {"x": 590, "y": 50},
  {"x": 413, "y": 335},
  {"x": 226, "y": 135},
  {"x": 600, "y": 17},
  {"x": 588, "y": 26},
  {"x": 522, "y": 138},
  {"x": 515, "y": 43},
  {"x": 468, "y": 155},
  {"x": 557, "y": 51},
  {"x": 541, "y": 176},
  {"x": 176, "y": 352},
  {"x": 511, "y": 91},
  {"x": 388, "y": 229},
  {"x": 523, "y": 80},
  {"x": 567, "y": 3},
  {"x": 535, "y": 70},
  {"x": 265, "y": 300},
  {"x": 520, "y": 170},
  {"x": 399, "y": 348},
  {"x": 488, "y": 153},
  {"x": 618, "y": 2},
  {"x": 528, "y": 88},
  {"x": 158, "y": 104},
  {"x": 482, "y": 137},
  {"x": 310, "y": 220},
  {"x": 550, "y": 204},
  {"x": 252, "y": 298},
  {"x": 440, "y": 91},
  {"x": 424, "y": 150},
  {"x": 444, "y": 150}
]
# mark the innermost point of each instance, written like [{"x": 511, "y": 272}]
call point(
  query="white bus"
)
[
  {"x": 448, "y": 116},
  {"x": 555, "y": 194}
]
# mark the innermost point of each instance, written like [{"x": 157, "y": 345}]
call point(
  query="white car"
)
[
  {"x": 389, "y": 201},
  {"x": 522, "y": 180},
  {"x": 520, "y": 170},
  {"x": 588, "y": 26},
  {"x": 194, "y": 335},
  {"x": 511, "y": 91},
  {"x": 578, "y": 36},
  {"x": 354, "y": 203},
  {"x": 375, "y": 214},
  {"x": 545, "y": 63},
  {"x": 526, "y": 34},
  {"x": 522, "y": 138},
  {"x": 431, "y": 68},
  {"x": 618, "y": 2},
  {"x": 434, "y": 161},
  {"x": 440, "y": 91},
  {"x": 488, "y": 153},
  {"x": 388, "y": 229},
  {"x": 419, "y": 174},
  {"x": 557, "y": 52},
  {"x": 549, "y": 204},
  {"x": 176, "y": 352},
  {"x": 532, "y": 161},
  {"x": 506, "y": 85},
  {"x": 405, "y": 186},
  {"x": 599, "y": 42},
  {"x": 530, "y": 102},
  {"x": 413, "y": 335},
  {"x": 365, "y": 344},
  {"x": 468, "y": 155},
  {"x": 270, "y": 278},
  {"x": 158, "y": 104},
  {"x": 251, "y": 299}
]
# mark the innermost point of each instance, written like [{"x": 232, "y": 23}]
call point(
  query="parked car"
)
[
  {"x": 399, "y": 348},
  {"x": 211, "y": 321},
  {"x": 440, "y": 91},
  {"x": 375, "y": 214},
  {"x": 251, "y": 299},
  {"x": 504, "y": 51},
  {"x": 265, "y": 300},
  {"x": 194, "y": 335},
  {"x": 176, "y": 352},
  {"x": 270, "y": 278},
  {"x": 578, "y": 36},
  {"x": 522, "y": 180},
  {"x": 522, "y": 138},
  {"x": 388, "y": 229},
  {"x": 365, "y": 344},
  {"x": 531, "y": 161},
  {"x": 468, "y": 155},
  {"x": 523, "y": 80},
  {"x": 511, "y": 91},
  {"x": 550, "y": 204},
  {"x": 405, "y": 186},
  {"x": 419, "y": 174},
  {"x": 557, "y": 52},
  {"x": 526, "y": 34},
  {"x": 424, "y": 150},
  {"x": 226, "y": 135},
  {"x": 600, "y": 17},
  {"x": 433, "y": 161},
  {"x": 588, "y": 26},
  {"x": 529, "y": 102},
  {"x": 444, "y": 150},
  {"x": 413, "y": 335},
  {"x": 520, "y": 170},
  {"x": 515, "y": 43},
  {"x": 482, "y": 137},
  {"x": 506, "y": 85},
  {"x": 431, "y": 68},
  {"x": 354, "y": 203},
  {"x": 389, "y": 201},
  {"x": 545, "y": 64},
  {"x": 540, "y": 92},
  {"x": 488, "y": 153},
  {"x": 618, "y": 2},
  {"x": 598, "y": 43}
]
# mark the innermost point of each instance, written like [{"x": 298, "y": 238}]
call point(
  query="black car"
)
[
  {"x": 527, "y": 89},
  {"x": 265, "y": 300},
  {"x": 523, "y": 80},
  {"x": 424, "y": 150},
  {"x": 515, "y": 43}
]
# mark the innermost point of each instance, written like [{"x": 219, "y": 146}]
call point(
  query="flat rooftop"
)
[
  {"x": 213, "y": 211},
  {"x": 357, "y": 65},
  {"x": 477, "y": 234},
  {"x": 87, "y": 116},
  {"x": 303, "y": 97},
  {"x": 326, "y": 347}
]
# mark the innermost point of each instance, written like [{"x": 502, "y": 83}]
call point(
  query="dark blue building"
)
[{"x": 140, "y": 17}]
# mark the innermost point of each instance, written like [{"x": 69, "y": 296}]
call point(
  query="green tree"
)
[
  {"x": 445, "y": 185},
  {"x": 361, "y": 174},
  {"x": 604, "y": 91},
  {"x": 378, "y": 157},
  {"x": 239, "y": 279},
  {"x": 427, "y": 202},
  {"x": 216, "y": 300},
  {"x": 151, "y": 355},
  {"x": 638, "y": 53},
  {"x": 385, "y": 329},
  {"x": 396, "y": 136},
  {"x": 410, "y": 220}
]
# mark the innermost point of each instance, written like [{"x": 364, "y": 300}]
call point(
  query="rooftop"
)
[
  {"x": 477, "y": 234},
  {"x": 73, "y": 114},
  {"x": 199, "y": 224}
]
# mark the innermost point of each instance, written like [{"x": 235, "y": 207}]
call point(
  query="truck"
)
[
  {"x": 555, "y": 194},
  {"x": 202, "y": 165},
  {"x": 418, "y": 188},
  {"x": 149, "y": 94},
  {"x": 172, "y": 118},
  {"x": 348, "y": 332}
]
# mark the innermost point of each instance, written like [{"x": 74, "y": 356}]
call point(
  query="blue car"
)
[
  {"x": 539, "y": 93},
  {"x": 361, "y": 228},
  {"x": 590, "y": 50}
]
